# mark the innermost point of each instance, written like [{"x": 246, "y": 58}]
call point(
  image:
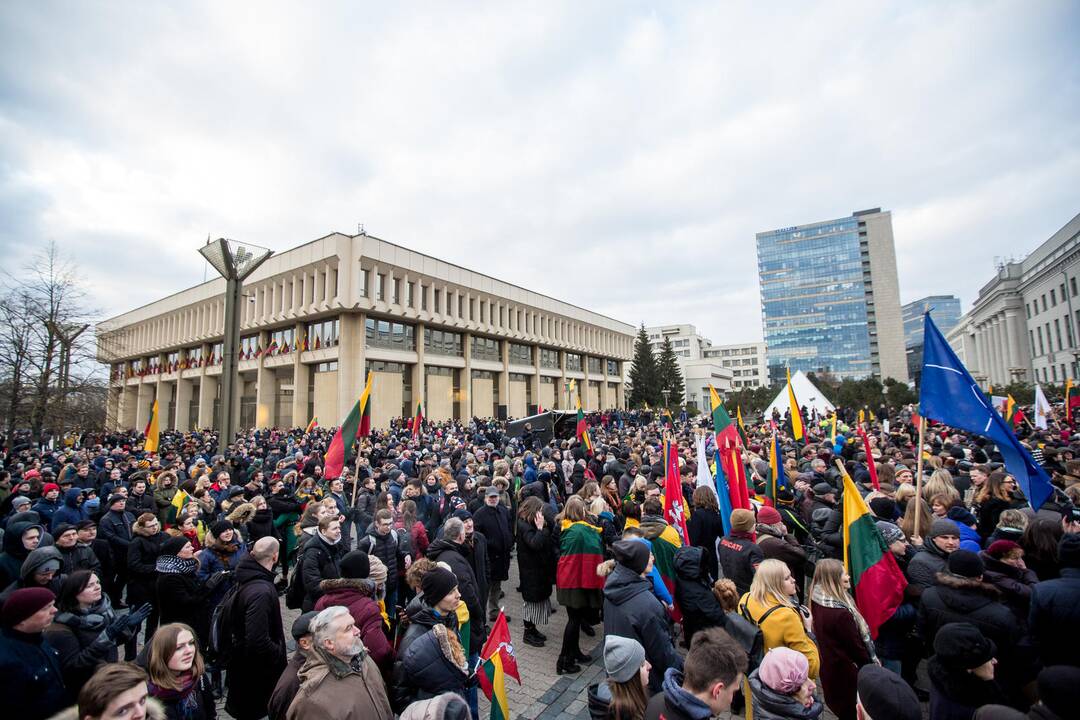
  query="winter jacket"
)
[
  {"x": 46, "y": 509},
  {"x": 769, "y": 704},
  {"x": 599, "y": 701},
  {"x": 537, "y": 553},
  {"x": 454, "y": 555},
  {"x": 391, "y": 548},
  {"x": 495, "y": 524},
  {"x": 286, "y": 687},
  {"x": 739, "y": 558},
  {"x": 693, "y": 592},
  {"x": 33, "y": 563},
  {"x": 180, "y": 596},
  {"x": 78, "y": 557},
  {"x": 358, "y": 597},
  {"x": 257, "y": 633},
  {"x": 843, "y": 652},
  {"x": 957, "y": 694},
  {"x": 826, "y": 523},
  {"x": 705, "y": 527},
  {"x": 475, "y": 546},
  {"x": 331, "y": 689},
  {"x": 923, "y": 569},
  {"x": 14, "y": 555},
  {"x": 219, "y": 557},
  {"x": 116, "y": 528},
  {"x": 436, "y": 663},
  {"x": 783, "y": 628},
  {"x": 785, "y": 548},
  {"x": 139, "y": 504},
  {"x": 631, "y": 610},
  {"x": 71, "y": 512},
  {"x": 961, "y": 599},
  {"x": 969, "y": 538},
  {"x": 674, "y": 703},
  {"x": 319, "y": 561},
  {"x": 260, "y": 525},
  {"x": 1014, "y": 584},
  {"x": 31, "y": 680},
  {"x": 79, "y": 637},
  {"x": 1054, "y": 619},
  {"x": 142, "y": 557},
  {"x": 203, "y": 700}
]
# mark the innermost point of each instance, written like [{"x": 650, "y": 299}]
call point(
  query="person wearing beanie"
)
[
  {"x": 962, "y": 672},
  {"x": 1004, "y": 567},
  {"x": 75, "y": 555},
  {"x": 180, "y": 596},
  {"x": 30, "y": 672},
  {"x": 1054, "y": 620},
  {"x": 778, "y": 544},
  {"x": 884, "y": 695},
  {"x": 48, "y": 503},
  {"x": 884, "y": 508},
  {"x": 41, "y": 569},
  {"x": 624, "y": 693},
  {"x": 631, "y": 610},
  {"x": 827, "y": 519},
  {"x": 222, "y": 554},
  {"x": 738, "y": 552},
  {"x": 288, "y": 683},
  {"x": 965, "y": 525},
  {"x": 941, "y": 541},
  {"x": 781, "y": 687},
  {"x": 357, "y": 592}
]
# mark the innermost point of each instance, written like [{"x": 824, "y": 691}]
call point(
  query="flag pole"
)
[{"x": 919, "y": 472}]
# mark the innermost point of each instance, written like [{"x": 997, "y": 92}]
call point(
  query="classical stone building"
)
[{"x": 318, "y": 317}]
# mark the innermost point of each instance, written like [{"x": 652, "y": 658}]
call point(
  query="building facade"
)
[
  {"x": 321, "y": 316},
  {"x": 698, "y": 369},
  {"x": 946, "y": 313},
  {"x": 749, "y": 368},
  {"x": 830, "y": 298},
  {"x": 685, "y": 341}
]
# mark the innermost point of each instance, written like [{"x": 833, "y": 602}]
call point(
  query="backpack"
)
[
  {"x": 220, "y": 642},
  {"x": 747, "y": 632},
  {"x": 294, "y": 593}
]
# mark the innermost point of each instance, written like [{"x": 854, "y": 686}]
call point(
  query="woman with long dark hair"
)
[
  {"x": 998, "y": 494},
  {"x": 705, "y": 527},
  {"x": 624, "y": 694},
  {"x": 537, "y": 548},
  {"x": 1040, "y": 543},
  {"x": 178, "y": 677}
]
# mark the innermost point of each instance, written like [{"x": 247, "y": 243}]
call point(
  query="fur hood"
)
[
  {"x": 154, "y": 711},
  {"x": 604, "y": 569},
  {"x": 451, "y": 647},
  {"x": 363, "y": 586},
  {"x": 958, "y": 582},
  {"x": 241, "y": 514},
  {"x": 144, "y": 531}
]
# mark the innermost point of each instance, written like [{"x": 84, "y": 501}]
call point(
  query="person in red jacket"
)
[{"x": 356, "y": 592}]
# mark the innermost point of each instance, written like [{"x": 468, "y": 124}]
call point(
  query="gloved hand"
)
[
  {"x": 136, "y": 617},
  {"x": 120, "y": 629},
  {"x": 216, "y": 580}
]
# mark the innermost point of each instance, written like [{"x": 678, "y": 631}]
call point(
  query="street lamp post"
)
[{"x": 234, "y": 261}]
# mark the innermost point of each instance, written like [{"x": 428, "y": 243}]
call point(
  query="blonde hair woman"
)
[
  {"x": 941, "y": 483},
  {"x": 770, "y": 605},
  {"x": 843, "y": 636}
]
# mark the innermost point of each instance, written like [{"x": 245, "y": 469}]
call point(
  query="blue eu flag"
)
[{"x": 950, "y": 395}]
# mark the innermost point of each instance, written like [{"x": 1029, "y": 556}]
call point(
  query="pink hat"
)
[{"x": 784, "y": 670}]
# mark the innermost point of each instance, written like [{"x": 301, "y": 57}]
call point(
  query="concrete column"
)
[
  {"x": 999, "y": 351},
  {"x": 208, "y": 389},
  {"x": 352, "y": 365},
  {"x": 301, "y": 380},
  {"x": 466, "y": 378},
  {"x": 504, "y": 374},
  {"x": 126, "y": 407},
  {"x": 238, "y": 394},
  {"x": 164, "y": 393},
  {"x": 534, "y": 379},
  {"x": 561, "y": 398},
  {"x": 265, "y": 390},
  {"x": 144, "y": 404},
  {"x": 980, "y": 350},
  {"x": 1013, "y": 339},
  {"x": 620, "y": 399},
  {"x": 112, "y": 409},
  {"x": 585, "y": 398},
  {"x": 182, "y": 420},
  {"x": 605, "y": 389},
  {"x": 419, "y": 380}
]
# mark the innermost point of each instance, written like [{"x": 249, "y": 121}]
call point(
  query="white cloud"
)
[{"x": 618, "y": 156}]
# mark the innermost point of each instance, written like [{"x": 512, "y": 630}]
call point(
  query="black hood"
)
[
  {"x": 13, "y": 538},
  {"x": 420, "y": 613},
  {"x": 623, "y": 584},
  {"x": 688, "y": 562},
  {"x": 248, "y": 569},
  {"x": 441, "y": 545}
]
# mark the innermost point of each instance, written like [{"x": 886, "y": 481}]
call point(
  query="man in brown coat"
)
[{"x": 339, "y": 681}]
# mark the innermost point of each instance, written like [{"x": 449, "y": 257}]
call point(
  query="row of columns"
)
[{"x": 999, "y": 343}]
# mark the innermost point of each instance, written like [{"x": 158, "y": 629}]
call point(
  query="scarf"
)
[
  {"x": 175, "y": 565},
  {"x": 95, "y": 618},
  {"x": 184, "y": 698},
  {"x": 830, "y": 602}
]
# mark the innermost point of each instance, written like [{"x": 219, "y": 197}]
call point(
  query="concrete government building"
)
[{"x": 317, "y": 318}]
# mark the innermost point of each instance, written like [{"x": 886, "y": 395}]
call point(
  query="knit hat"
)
[
  {"x": 23, "y": 603},
  {"x": 355, "y": 565},
  {"x": 302, "y": 625},
  {"x": 884, "y": 694},
  {"x": 941, "y": 526},
  {"x": 889, "y": 532},
  {"x": 823, "y": 488},
  {"x": 437, "y": 584},
  {"x": 966, "y": 564},
  {"x": 742, "y": 520},
  {"x": 784, "y": 670},
  {"x": 1059, "y": 689},
  {"x": 462, "y": 514},
  {"x": 630, "y": 554},
  {"x": 220, "y": 527},
  {"x": 83, "y": 524},
  {"x": 1000, "y": 548},
  {"x": 961, "y": 515},
  {"x": 961, "y": 646},
  {"x": 115, "y": 497},
  {"x": 20, "y": 500},
  {"x": 769, "y": 516},
  {"x": 49, "y": 487},
  {"x": 377, "y": 573},
  {"x": 1069, "y": 551},
  {"x": 623, "y": 657},
  {"x": 61, "y": 529},
  {"x": 174, "y": 545},
  {"x": 884, "y": 508}
]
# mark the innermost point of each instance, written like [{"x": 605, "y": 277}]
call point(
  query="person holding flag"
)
[{"x": 497, "y": 661}]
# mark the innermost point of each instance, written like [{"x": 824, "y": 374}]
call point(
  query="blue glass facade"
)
[
  {"x": 813, "y": 299},
  {"x": 945, "y": 311}
]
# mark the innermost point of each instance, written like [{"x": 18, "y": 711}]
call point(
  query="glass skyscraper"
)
[
  {"x": 820, "y": 307},
  {"x": 945, "y": 311}
]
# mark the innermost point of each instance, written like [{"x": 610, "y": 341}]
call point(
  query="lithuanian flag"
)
[
  {"x": 742, "y": 428},
  {"x": 582, "y": 426},
  {"x": 497, "y": 660},
  {"x": 871, "y": 466},
  {"x": 727, "y": 447},
  {"x": 796, "y": 414},
  {"x": 418, "y": 419},
  {"x": 153, "y": 431},
  {"x": 356, "y": 424},
  {"x": 580, "y": 551},
  {"x": 312, "y": 425},
  {"x": 1071, "y": 395},
  {"x": 876, "y": 579}
]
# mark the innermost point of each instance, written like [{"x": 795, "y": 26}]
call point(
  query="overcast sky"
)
[{"x": 617, "y": 155}]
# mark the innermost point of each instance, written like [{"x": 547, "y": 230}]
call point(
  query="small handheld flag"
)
[{"x": 497, "y": 660}]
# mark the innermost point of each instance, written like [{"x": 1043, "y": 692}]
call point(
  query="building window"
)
[
  {"x": 1053, "y": 298},
  {"x": 549, "y": 358},
  {"x": 1053, "y": 370},
  {"x": 1057, "y": 333},
  {"x": 248, "y": 347},
  {"x": 380, "y": 283},
  {"x": 613, "y": 368},
  {"x": 595, "y": 365},
  {"x": 320, "y": 334},
  {"x": 1028, "y": 308},
  {"x": 363, "y": 280},
  {"x": 485, "y": 349},
  {"x": 217, "y": 353},
  {"x": 410, "y": 291},
  {"x": 1031, "y": 337},
  {"x": 460, "y": 305},
  {"x": 326, "y": 366},
  {"x": 1044, "y": 302},
  {"x": 284, "y": 340},
  {"x": 389, "y": 335},
  {"x": 1072, "y": 286},
  {"x": 520, "y": 354},
  {"x": 1049, "y": 339},
  {"x": 192, "y": 358},
  {"x": 443, "y": 342},
  {"x": 1062, "y": 290},
  {"x": 438, "y": 298},
  {"x": 573, "y": 362},
  {"x": 1042, "y": 350}
]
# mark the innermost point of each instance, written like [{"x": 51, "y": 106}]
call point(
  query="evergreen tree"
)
[
  {"x": 644, "y": 387},
  {"x": 669, "y": 375}
]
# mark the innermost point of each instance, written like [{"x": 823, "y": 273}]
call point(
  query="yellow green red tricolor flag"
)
[
  {"x": 582, "y": 426},
  {"x": 727, "y": 446},
  {"x": 312, "y": 425},
  {"x": 152, "y": 431},
  {"x": 497, "y": 660},
  {"x": 876, "y": 579},
  {"x": 796, "y": 414},
  {"x": 418, "y": 419},
  {"x": 1070, "y": 394},
  {"x": 357, "y": 424}
]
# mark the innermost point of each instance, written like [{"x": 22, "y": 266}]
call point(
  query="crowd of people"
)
[{"x": 150, "y": 584}]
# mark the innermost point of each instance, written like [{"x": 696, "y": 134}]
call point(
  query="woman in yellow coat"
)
[{"x": 773, "y": 589}]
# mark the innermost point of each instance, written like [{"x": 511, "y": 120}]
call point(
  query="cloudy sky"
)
[{"x": 618, "y": 155}]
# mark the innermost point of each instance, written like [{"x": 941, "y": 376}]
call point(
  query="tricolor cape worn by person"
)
[{"x": 581, "y": 550}]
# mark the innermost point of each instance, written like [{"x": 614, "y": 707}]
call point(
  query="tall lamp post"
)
[{"x": 234, "y": 261}]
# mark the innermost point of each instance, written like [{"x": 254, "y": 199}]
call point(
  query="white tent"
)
[{"x": 806, "y": 395}]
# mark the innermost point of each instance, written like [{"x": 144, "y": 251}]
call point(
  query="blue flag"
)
[
  {"x": 950, "y": 395},
  {"x": 722, "y": 495}
]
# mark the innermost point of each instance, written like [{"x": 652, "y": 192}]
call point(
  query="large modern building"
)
[
  {"x": 320, "y": 316},
  {"x": 830, "y": 298},
  {"x": 746, "y": 361},
  {"x": 945, "y": 310},
  {"x": 685, "y": 340},
  {"x": 1024, "y": 323},
  {"x": 699, "y": 371}
]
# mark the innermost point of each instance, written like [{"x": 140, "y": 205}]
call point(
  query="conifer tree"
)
[
  {"x": 644, "y": 386},
  {"x": 669, "y": 376}
]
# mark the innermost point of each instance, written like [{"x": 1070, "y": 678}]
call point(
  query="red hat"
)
[
  {"x": 49, "y": 487},
  {"x": 23, "y": 603},
  {"x": 29, "y": 474},
  {"x": 768, "y": 516},
  {"x": 1000, "y": 548}
]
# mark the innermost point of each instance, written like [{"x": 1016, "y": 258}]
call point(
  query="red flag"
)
[
  {"x": 418, "y": 420},
  {"x": 499, "y": 643},
  {"x": 870, "y": 464},
  {"x": 674, "y": 504}
]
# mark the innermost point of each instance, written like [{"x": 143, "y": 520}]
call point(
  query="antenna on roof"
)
[{"x": 360, "y": 229}]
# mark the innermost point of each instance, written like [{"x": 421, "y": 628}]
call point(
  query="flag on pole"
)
[
  {"x": 675, "y": 509},
  {"x": 951, "y": 396},
  {"x": 1072, "y": 398},
  {"x": 356, "y": 424},
  {"x": 727, "y": 448},
  {"x": 796, "y": 414},
  {"x": 153, "y": 430},
  {"x": 742, "y": 428},
  {"x": 497, "y": 660},
  {"x": 778, "y": 478},
  {"x": 876, "y": 579},
  {"x": 704, "y": 477},
  {"x": 418, "y": 419},
  {"x": 582, "y": 426},
  {"x": 312, "y": 425},
  {"x": 179, "y": 500},
  {"x": 862, "y": 416},
  {"x": 723, "y": 494},
  {"x": 1042, "y": 408},
  {"x": 871, "y": 466},
  {"x": 833, "y": 438}
]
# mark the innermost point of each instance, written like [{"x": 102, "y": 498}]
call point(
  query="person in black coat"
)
[
  {"x": 115, "y": 528},
  {"x": 693, "y": 593},
  {"x": 257, "y": 632},
  {"x": 320, "y": 558},
  {"x": 450, "y": 549},
  {"x": 493, "y": 522},
  {"x": 31, "y": 680},
  {"x": 139, "y": 500},
  {"x": 705, "y": 527},
  {"x": 181, "y": 598},
  {"x": 143, "y": 552},
  {"x": 631, "y": 609},
  {"x": 537, "y": 555},
  {"x": 391, "y": 547},
  {"x": 1054, "y": 618},
  {"x": 962, "y": 672}
]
